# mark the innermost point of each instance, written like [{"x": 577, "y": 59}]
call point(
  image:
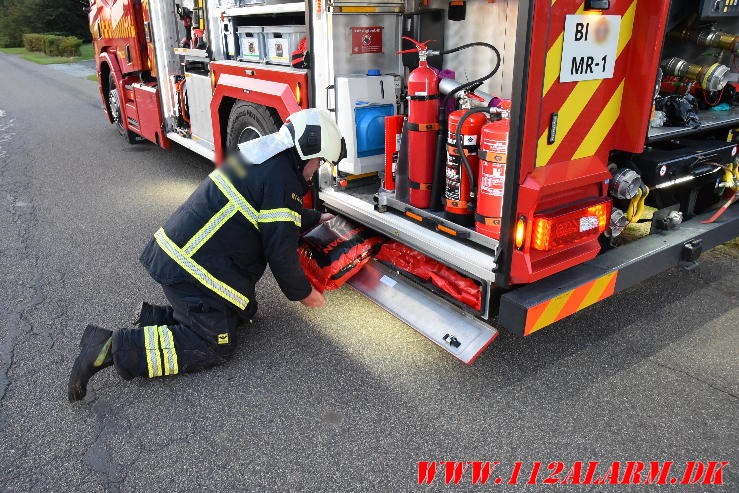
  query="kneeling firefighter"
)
[{"x": 212, "y": 251}]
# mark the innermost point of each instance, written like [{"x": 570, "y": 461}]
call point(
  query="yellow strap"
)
[
  {"x": 633, "y": 206},
  {"x": 198, "y": 272}
]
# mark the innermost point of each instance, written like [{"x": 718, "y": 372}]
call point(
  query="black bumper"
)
[{"x": 534, "y": 306}]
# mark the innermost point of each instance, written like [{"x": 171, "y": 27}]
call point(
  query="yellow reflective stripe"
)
[
  {"x": 103, "y": 353},
  {"x": 283, "y": 214},
  {"x": 198, "y": 272},
  {"x": 166, "y": 342},
  {"x": 209, "y": 229},
  {"x": 227, "y": 188},
  {"x": 153, "y": 359},
  {"x": 602, "y": 125}
]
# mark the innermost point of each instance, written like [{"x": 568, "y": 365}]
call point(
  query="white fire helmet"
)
[{"x": 316, "y": 135}]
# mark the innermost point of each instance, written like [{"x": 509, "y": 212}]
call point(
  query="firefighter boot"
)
[{"x": 94, "y": 356}]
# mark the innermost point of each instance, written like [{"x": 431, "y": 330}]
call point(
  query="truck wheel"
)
[
  {"x": 114, "y": 104},
  {"x": 249, "y": 121}
]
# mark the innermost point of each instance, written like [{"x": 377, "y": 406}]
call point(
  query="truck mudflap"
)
[
  {"x": 455, "y": 331},
  {"x": 525, "y": 310}
]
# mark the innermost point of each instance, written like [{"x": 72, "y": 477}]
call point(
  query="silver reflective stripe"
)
[
  {"x": 279, "y": 215},
  {"x": 166, "y": 343},
  {"x": 209, "y": 229},
  {"x": 151, "y": 345},
  {"x": 198, "y": 272},
  {"x": 227, "y": 188}
]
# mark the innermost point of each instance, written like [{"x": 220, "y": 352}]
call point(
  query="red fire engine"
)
[{"x": 531, "y": 179}]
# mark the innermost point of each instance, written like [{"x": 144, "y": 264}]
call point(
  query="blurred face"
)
[{"x": 311, "y": 167}]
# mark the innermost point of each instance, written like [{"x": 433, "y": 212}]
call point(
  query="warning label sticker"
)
[{"x": 366, "y": 40}]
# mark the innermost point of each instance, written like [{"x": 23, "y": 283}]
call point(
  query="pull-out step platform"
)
[{"x": 455, "y": 331}]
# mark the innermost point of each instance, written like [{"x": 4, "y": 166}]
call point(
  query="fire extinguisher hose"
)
[
  {"x": 439, "y": 167},
  {"x": 476, "y": 82},
  {"x": 460, "y": 147}
]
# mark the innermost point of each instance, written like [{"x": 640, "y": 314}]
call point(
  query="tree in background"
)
[{"x": 18, "y": 17}]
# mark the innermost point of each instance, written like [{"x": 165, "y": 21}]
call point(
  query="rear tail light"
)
[{"x": 571, "y": 225}]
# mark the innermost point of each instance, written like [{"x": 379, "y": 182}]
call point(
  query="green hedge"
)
[
  {"x": 33, "y": 42},
  {"x": 52, "y": 44}
]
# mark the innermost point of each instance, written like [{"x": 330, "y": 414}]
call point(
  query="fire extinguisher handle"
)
[{"x": 420, "y": 46}]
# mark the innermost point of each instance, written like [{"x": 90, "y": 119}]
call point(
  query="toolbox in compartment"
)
[
  {"x": 669, "y": 162},
  {"x": 251, "y": 43},
  {"x": 281, "y": 41}
]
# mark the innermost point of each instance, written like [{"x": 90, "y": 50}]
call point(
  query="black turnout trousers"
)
[{"x": 197, "y": 331}]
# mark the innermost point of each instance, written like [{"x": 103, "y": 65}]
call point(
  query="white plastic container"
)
[
  {"x": 251, "y": 43},
  {"x": 281, "y": 41}
]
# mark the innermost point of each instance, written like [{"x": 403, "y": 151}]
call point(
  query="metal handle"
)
[{"x": 328, "y": 99}]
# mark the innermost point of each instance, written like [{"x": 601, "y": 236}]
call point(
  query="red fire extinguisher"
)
[
  {"x": 458, "y": 204},
  {"x": 423, "y": 126},
  {"x": 491, "y": 182}
]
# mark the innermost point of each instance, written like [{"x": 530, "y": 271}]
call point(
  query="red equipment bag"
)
[
  {"x": 300, "y": 57},
  {"x": 448, "y": 280},
  {"x": 332, "y": 252}
]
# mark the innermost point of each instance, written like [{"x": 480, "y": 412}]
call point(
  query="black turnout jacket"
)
[{"x": 238, "y": 252}]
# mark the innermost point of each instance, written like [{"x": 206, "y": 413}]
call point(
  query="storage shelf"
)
[
  {"x": 280, "y": 8},
  {"x": 709, "y": 120}
]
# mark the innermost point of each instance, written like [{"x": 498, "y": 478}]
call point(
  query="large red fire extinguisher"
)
[
  {"x": 458, "y": 203},
  {"x": 423, "y": 126},
  {"x": 491, "y": 182}
]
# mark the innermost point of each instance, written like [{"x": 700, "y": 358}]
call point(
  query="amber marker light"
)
[{"x": 520, "y": 233}]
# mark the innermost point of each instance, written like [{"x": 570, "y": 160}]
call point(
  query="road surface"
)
[{"x": 341, "y": 399}]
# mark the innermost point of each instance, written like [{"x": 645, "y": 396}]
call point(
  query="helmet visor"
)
[{"x": 342, "y": 154}]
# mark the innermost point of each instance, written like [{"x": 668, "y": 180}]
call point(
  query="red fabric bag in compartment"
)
[
  {"x": 448, "y": 280},
  {"x": 332, "y": 252}
]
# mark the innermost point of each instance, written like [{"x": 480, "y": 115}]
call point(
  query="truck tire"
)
[
  {"x": 249, "y": 121},
  {"x": 114, "y": 105}
]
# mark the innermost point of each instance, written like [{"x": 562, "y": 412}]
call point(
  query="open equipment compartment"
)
[
  {"x": 701, "y": 33},
  {"x": 368, "y": 81}
]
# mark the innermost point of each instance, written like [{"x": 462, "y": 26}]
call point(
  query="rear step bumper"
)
[
  {"x": 455, "y": 331},
  {"x": 534, "y": 306}
]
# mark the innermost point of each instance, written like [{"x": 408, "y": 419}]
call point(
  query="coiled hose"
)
[{"x": 440, "y": 151}]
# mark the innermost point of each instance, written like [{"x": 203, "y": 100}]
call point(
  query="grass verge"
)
[
  {"x": 93, "y": 77},
  {"x": 13, "y": 51},
  {"x": 43, "y": 59}
]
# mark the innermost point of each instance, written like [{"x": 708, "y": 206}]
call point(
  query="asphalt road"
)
[{"x": 340, "y": 399}]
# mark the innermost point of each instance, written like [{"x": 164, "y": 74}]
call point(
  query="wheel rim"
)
[
  {"x": 115, "y": 108},
  {"x": 249, "y": 133}
]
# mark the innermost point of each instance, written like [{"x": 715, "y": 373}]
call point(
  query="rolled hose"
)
[
  {"x": 440, "y": 153},
  {"x": 180, "y": 86}
]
